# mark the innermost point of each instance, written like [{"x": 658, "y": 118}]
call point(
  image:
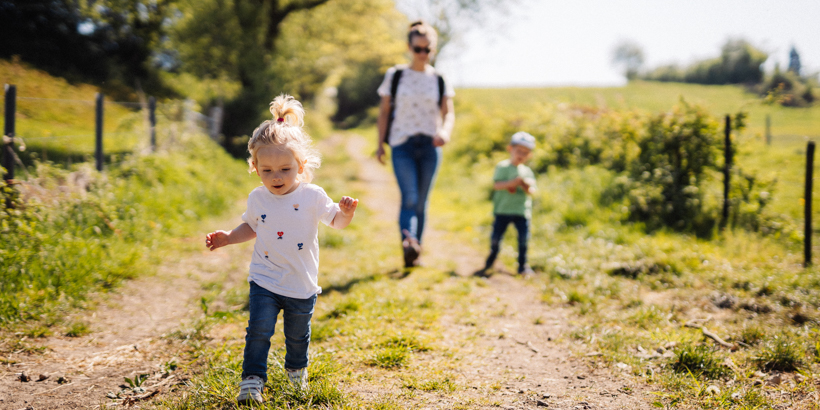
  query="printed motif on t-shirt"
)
[
  {"x": 280, "y": 234},
  {"x": 295, "y": 207},
  {"x": 263, "y": 218}
]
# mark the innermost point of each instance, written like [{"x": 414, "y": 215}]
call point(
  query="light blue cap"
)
[{"x": 523, "y": 139}]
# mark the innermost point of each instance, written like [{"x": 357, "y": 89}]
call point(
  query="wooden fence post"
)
[
  {"x": 8, "y": 154},
  {"x": 152, "y": 118},
  {"x": 768, "y": 129},
  {"x": 807, "y": 196},
  {"x": 98, "y": 151},
  {"x": 727, "y": 168}
]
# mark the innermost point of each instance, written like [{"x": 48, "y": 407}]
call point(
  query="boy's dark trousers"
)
[{"x": 522, "y": 225}]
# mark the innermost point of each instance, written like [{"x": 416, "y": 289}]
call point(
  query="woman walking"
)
[{"x": 416, "y": 119}]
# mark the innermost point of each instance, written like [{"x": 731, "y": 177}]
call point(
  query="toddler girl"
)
[{"x": 283, "y": 215}]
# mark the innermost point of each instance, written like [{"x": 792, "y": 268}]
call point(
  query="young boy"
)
[{"x": 514, "y": 182}]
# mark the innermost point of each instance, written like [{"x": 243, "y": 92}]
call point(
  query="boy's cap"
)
[{"x": 524, "y": 139}]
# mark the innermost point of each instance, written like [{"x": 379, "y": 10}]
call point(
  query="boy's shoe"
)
[
  {"x": 483, "y": 272},
  {"x": 527, "y": 272},
  {"x": 412, "y": 250},
  {"x": 298, "y": 377},
  {"x": 250, "y": 390}
]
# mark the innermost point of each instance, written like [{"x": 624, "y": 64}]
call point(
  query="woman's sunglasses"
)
[{"x": 419, "y": 50}]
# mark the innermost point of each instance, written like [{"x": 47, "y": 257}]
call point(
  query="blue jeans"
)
[
  {"x": 522, "y": 225},
  {"x": 264, "y": 308},
  {"x": 415, "y": 163}
]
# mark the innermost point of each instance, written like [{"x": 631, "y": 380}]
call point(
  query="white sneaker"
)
[
  {"x": 250, "y": 390},
  {"x": 298, "y": 377}
]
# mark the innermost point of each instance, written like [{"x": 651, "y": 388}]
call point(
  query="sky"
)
[{"x": 560, "y": 42}]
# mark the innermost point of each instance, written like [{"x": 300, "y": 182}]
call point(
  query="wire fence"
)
[{"x": 96, "y": 129}]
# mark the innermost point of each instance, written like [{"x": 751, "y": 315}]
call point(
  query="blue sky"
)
[{"x": 547, "y": 42}]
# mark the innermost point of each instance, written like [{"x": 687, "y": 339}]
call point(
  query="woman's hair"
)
[
  {"x": 285, "y": 130},
  {"x": 422, "y": 29}
]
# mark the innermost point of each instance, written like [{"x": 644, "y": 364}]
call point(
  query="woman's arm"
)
[
  {"x": 381, "y": 125},
  {"x": 448, "y": 120}
]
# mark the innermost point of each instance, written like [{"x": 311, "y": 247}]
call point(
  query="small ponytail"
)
[
  {"x": 288, "y": 110},
  {"x": 285, "y": 130}
]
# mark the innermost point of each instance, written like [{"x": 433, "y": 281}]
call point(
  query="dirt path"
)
[
  {"x": 520, "y": 348},
  {"x": 126, "y": 339}
]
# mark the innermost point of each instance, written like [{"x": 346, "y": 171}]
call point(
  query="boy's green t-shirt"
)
[{"x": 506, "y": 203}]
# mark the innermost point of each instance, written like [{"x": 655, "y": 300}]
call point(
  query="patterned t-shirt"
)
[
  {"x": 417, "y": 110},
  {"x": 286, "y": 253}
]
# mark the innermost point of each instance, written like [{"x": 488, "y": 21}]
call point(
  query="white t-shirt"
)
[
  {"x": 417, "y": 109},
  {"x": 286, "y": 253}
]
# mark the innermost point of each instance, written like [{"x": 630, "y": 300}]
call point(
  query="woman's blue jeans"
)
[
  {"x": 522, "y": 225},
  {"x": 264, "y": 308},
  {"x": 415, "y": 163}
]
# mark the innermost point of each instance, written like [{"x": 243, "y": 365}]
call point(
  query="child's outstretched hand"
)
[
  {"x": 348, "y": 205},
  {"x": 216, "y": 239}
]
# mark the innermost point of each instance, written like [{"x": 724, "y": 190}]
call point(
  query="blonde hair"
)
[
  {"x": 285, "y": 130},
  {"x": 422, "y": 29}
]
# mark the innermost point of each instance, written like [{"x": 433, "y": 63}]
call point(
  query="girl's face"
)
[
  {"x": 421, "y": 49},
  {"x": 278, "y": 169}
]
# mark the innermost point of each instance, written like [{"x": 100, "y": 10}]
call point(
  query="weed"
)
[
  {"x": 390, "y": 357},
  {"x": 781, "y": 353},
  {"x": 699, "y": 360},
  {"x": 78, "y": 329},
  {"x": 752, "y": 334}
]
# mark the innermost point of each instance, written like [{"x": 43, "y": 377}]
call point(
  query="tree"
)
[
  {"x": 111, "y": 41},
  {"x": 794, "y": 62},
  {"x": 629, "y": 56}
]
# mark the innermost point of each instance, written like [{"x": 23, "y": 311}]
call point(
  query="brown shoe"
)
[{"x": 412, "y": 250}]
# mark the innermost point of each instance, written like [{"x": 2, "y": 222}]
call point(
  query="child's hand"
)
[
  {"x": 348, "y": 205},
  {"x": 518, "y": 181},
  {"x": 528, "y": 184},
  {"x": 216, "y": 239}
]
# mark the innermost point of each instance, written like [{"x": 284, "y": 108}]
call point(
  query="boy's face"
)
[
  {"x": 518, "y": 154},
  {"x": 278, "y": 169}
]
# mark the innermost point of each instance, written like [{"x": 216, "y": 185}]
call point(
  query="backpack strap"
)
[
  {"x": 440, "y": 89},
  {"x": 394, "y": 87}
]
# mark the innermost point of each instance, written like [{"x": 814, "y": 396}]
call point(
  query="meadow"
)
[{"x": 639, "y": 300}]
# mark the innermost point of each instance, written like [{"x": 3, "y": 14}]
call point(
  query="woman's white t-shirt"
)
[
  {"x": 286, "y": 253},
  {"x": 417, "y": 109}
]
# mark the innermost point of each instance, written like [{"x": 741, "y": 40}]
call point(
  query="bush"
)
[{"x": 676, "y": 153}]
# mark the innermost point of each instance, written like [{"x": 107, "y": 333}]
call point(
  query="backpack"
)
[{"x": 394, "y": 86}]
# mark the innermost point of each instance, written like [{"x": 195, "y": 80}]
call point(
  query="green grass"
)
[
  {"x": 629, "y": 289},
  {"x": 72, "y": 231},
  {"x": 787, "y": 123},
  {"x": 56, "y": 119}
]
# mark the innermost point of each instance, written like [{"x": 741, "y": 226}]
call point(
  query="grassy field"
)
[
  {"x": 71, "y": 230},
  {"x": 786, "y": 123},
  {"x": 639, "y": 297},
  {"x": 56, "y": 119},
  {"x": 639, "y": 301}
]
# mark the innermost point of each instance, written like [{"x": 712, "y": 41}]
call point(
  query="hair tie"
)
[{"x": 280, "y": 120}]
